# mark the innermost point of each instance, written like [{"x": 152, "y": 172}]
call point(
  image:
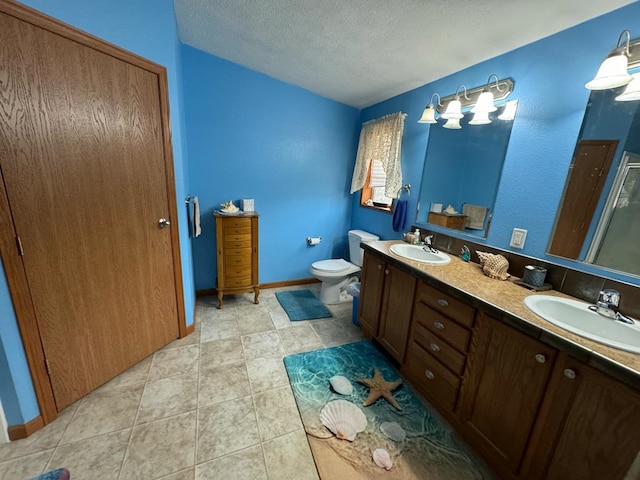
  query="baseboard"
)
[
  {"x": 285, "y": 283},
  {"x": 16, "y": 432}
]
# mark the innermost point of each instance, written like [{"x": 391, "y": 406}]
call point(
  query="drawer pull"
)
[
  {"x": 434, "y": 347},
  {"x": 442, "y": 302},
  {"x": 569, "y": 373},
  {"x": 540, "y": 358},
  {"x": 429, "y": 374},
  {"x": 438, "y": 325}
]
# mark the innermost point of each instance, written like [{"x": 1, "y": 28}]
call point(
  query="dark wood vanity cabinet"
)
[{"x": 386, "y": 303}]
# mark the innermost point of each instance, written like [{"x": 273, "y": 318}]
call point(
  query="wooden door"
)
[
  {"x": 502, "y": 390},
  {"x": 82, "y": 153},
  {"x": 588, "y": 427},
  {"x": 371, "y": 293},
  {"x": 587, "y": 174},
  {"x": 395, "y": 313}
]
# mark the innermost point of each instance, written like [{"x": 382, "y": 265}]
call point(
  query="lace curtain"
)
[{"x": 380, "y": 139}]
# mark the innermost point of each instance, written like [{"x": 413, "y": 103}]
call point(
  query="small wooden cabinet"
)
[
  {"x": 386, "y": 303},
  {"x": 237, "y": 254},
  {"x": 455, "y": 221}
]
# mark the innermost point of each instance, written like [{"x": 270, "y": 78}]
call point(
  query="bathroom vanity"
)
[{"x": 535, "y": 401}]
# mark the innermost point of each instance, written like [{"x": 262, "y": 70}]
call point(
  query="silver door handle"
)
[{"x": 164, "y": 223}]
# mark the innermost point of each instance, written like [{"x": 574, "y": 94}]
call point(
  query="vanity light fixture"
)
[
  {"x": 480, "y": 118},
  {"x": 429, "y": 114},
  {"x": 632, "y": 92},
  {"x": 454, "y": 108},
  {"x": 509, "y": 112},
  {"x": 485, "y": 100},
  {"x": 453, "y": 123},
  {"x": 613, "y": 70}
]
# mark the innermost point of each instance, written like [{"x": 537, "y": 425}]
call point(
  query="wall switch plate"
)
[{"x": 517, "y": 238}]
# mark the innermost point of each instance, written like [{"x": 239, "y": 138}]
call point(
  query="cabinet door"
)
[
  {"x": 502, "y": 391},
  {"x": 371, "y": 293},
  {"x": 588, "y": 427},
  {"x": 395, "y": 313}
]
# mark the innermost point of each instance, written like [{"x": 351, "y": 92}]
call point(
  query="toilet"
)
[{"x": 337, "y": 274}]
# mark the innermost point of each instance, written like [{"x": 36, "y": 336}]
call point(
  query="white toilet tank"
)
[{"x": 355, "y": 237}]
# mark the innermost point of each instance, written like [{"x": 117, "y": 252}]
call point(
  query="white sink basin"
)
[
  {"x": 419, "y": 254},
  {"x": 576, "y": 317}
]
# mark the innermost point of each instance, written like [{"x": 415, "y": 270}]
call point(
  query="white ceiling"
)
[{"x": 360, "y": 52}]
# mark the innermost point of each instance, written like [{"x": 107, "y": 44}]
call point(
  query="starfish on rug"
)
[{"x": 379, "y": 387}]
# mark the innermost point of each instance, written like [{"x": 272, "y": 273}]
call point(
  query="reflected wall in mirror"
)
[
  {"x": 462, "y": 169},
  {"x": 598, "y": 219}
]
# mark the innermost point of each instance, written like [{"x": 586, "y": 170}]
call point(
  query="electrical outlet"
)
[{"x": 517, "y": 238}]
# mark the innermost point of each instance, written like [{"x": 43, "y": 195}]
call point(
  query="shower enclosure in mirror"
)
[
  {"x": 462, "y": 170},
  {"x": 598, "y": 219}
]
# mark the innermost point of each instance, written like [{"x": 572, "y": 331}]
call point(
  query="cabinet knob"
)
[
  {"x": 442, "y": 302},
  {"x": 386, "y": 272},
  {"x": 379, "y": 267},
  {"x": 434, "y": 347},
  {"x": 438, "y": 325},
  {"x": 569, "y": 373},
  {"x": 540, "y": 358},
  {"x": 429, "y": 374}
]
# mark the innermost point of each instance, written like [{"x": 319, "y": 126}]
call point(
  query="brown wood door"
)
[
  {"x": 82, "y": 155},
  {"x": 371, "y": 293},
  {"x": 502, "y": 391},
  {"x": 587, "y": 174}
]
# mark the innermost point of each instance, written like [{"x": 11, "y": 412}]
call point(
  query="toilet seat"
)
[{"x": 332, "y": 266}]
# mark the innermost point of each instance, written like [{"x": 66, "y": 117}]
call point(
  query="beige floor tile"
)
[
  {"x": 168, "y": 396},
  {"x": 254, "y": 321},
  {"x": 221, "y": 352},
  {"x": 133, "y": 376},
  {"x": 277, "y": 413},
  {"x": 266, "y": 373},
  {"x": 280, "y": 319},
  {"x": 244, "y": 465},
  {"x": 336, "y": 332},
  {"x": 161, "y": 448},
  {"x": 265, "y": 344},
  {"x": 96, "y": 457},
  {"x": 289, "y": 457},
  {"x": 223, "y": 383},
  {"x": 25, "y": 467},
  {"x": 188, "y": 474},
  {"x": 174, "y": 361},
  {"x": 299, "y": 338},
  {"x": 192, "y": 339},
  {"x": 226, "y": 428},
  {"x": 219, "y": 329},
  {"x": 103, "y": 412}
]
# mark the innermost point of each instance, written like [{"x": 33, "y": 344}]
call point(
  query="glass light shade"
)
[
  {"x": 485, "y": 103},
  {"x": 453, "y": 123},
  {"x": 611, "y": 74},
  {"x": 429, "y": 115},
  {"x": 509, "y": 112},
  {"x": 454, "y": 110},
  {"x": 632, "y": 92},
  {"x": 480, "y": 118}
]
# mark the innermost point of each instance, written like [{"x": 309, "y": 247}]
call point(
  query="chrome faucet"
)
[
  {"x": 607, "y": 306},
  {"x": 427, "y": 244}
]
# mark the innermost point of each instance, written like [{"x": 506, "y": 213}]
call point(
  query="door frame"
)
[{"x": 9, "y": 251}]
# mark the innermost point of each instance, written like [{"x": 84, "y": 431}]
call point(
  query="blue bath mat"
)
[
  {"x": 429, "y": 450},
  {"x": 302, "y": 305}
]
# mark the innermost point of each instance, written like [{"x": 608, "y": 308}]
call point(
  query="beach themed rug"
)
[
  {"x": 379, "y": 440},
  {"x": 302, "y": 305}
]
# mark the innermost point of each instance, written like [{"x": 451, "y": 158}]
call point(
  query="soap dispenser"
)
[{"x": 417, "y": 239}]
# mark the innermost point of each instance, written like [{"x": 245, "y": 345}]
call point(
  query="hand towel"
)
[
  {"x": 400, "y": 215},
  {"x": 476, "y": 214},
  {"x": 196, "y": 217}
]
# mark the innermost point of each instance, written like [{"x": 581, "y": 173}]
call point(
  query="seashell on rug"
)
[
  {"x": 494, "y": 266},
  {"x": 393, "y": 431},
  {"x": 344, "y": 419},
  {"x": 382, "y": 458},
  {"x": 341, "y": 385}
]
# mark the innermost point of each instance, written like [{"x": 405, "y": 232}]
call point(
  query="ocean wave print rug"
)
[{"x": 429, "y": 450}]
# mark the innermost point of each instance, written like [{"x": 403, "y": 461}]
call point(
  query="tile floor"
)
[{"x": 216, "y": 404}]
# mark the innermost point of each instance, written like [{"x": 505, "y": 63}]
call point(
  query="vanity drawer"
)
[
  {"x": 445, "y": 328},
  {"x": 431, "y": 378},
  {"x": 450, "y": 306},
  {"x": 439, "y": 349}
]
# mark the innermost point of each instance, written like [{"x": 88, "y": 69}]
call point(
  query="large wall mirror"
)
[
  {"x": 462, "y": 170},
  {"x": 598, "y": 219}
]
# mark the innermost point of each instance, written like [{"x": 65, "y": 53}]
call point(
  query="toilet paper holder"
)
[{"x": 313, "y": 240}]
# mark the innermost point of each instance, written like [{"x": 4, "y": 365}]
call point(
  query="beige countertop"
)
[{"x": 505, "y": 301}]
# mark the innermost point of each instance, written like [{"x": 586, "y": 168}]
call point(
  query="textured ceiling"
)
[{"x": 360, "y": 52}]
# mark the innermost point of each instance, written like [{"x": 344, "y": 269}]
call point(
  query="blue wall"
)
[
  {"x": 147, "y": 28},
  {"x": 250, "y": 136},
  {"x": 549, "y": 80}
]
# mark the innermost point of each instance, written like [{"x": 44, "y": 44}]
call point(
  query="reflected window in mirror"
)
[
  {"x": 610, "y": 128},
  {"x": 462, "y": 170}
]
